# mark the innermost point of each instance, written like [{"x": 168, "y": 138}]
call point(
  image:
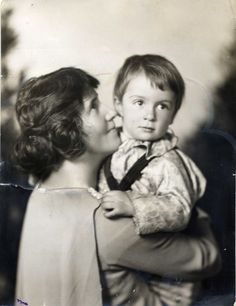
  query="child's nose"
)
[{"x": 150, "y": 114}]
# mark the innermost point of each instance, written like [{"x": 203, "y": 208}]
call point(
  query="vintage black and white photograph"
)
[{"x": 117, "y": 178}]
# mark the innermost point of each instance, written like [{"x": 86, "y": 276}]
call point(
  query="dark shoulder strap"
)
[
  {"x": 134, "y": 173},
  {"x": 131, "y": 176},
  {"x": 111, "y": 181}
]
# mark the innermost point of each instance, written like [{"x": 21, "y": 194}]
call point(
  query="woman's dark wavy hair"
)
[
  {"x": 159, "y": 70},
  {"x": 49, "y": 109}
]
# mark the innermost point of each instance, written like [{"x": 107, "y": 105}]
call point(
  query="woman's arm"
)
[{"x": 175, "y": 255}]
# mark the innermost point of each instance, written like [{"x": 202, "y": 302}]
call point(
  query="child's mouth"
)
[{"x": 147, "y": 129}]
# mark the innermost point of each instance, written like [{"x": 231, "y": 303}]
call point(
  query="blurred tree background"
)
[
  {"x": 13, "y": 197},
  {"x": 9, "y": 87},
  {"x": 213, "y": 148}
]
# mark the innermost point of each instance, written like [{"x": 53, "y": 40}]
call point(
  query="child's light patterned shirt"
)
[{"x": 175, "y": 183}]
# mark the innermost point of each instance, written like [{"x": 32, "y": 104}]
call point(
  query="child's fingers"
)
[
  {"x": 111, "y": 115},
  {"x": 107, "y": 205},
  {"x": 108, "y": 209},
  {"x": 110, "y": 199},
  {"x": 117, "y": 121},
  {"x": 108, "y": 196},
  {"x": 114, "y": 196},
  {"x": 110, "y": 213}
]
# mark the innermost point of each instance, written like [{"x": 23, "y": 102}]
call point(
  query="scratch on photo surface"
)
[
  {"x": 16, "y": 186},
  {"x": 9, "y": 184},
  {"x": 21, "y": 302}
]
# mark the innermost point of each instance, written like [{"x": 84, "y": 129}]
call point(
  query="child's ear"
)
[{"x": 118, "y": 106}]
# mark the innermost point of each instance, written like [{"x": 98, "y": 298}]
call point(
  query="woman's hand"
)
[
  {"x": 117, "y": 204},
  {"x": 177, "y": 294}
]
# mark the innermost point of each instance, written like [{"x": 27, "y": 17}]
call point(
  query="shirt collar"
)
[{"x": 156, "y": 148}]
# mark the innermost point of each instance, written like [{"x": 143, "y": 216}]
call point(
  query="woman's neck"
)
[{"x": 80, "y": 173}]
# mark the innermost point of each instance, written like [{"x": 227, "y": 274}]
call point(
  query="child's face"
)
[{"x": 147, "y": 111}]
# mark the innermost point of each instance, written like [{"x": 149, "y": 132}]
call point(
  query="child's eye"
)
[
  {"x": 162, "y": 106},
  {"x": 139, "y": 102}
]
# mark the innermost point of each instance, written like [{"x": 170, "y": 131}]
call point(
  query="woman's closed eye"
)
[{"x": 94, "y": 104}]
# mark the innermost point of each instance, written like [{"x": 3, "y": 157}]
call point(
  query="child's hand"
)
[
  {"x": 115, "y": 117},
  {"x": 117, "y": 204}
]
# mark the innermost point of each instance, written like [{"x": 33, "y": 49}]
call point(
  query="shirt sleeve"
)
[
  {"x": 174, "y": 189},
  {"x": 178, "y": 255}
]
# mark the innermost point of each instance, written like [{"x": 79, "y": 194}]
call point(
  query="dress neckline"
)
[{"x": 94, "y": 193}]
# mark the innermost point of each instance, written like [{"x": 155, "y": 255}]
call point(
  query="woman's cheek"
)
[{"x": 100, "y": 126}]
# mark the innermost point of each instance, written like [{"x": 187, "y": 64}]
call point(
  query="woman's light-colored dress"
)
[
  {"x": 57, "y": 260},
  {"x": 58, "y": 264}
]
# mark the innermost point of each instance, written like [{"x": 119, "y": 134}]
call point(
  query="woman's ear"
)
[{"x": 118, "y": 106}]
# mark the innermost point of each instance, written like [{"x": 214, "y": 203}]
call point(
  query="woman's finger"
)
[
  {"x": 174, "y": 294},
  {"x": 166, "y": 298},
  {"x": 187, "y": 290},
  {"x": 173, "y": 299}
]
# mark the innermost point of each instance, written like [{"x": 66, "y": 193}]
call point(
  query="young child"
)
[{"x": 152, "y": 180}]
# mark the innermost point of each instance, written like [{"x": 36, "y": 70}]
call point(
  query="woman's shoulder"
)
[{"x": 65, "y": 198}]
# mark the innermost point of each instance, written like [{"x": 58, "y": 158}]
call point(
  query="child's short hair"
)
[{"x": 161, "y": 72}]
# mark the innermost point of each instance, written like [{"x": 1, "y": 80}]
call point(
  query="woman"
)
[{"x": 64, "y": 138}]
